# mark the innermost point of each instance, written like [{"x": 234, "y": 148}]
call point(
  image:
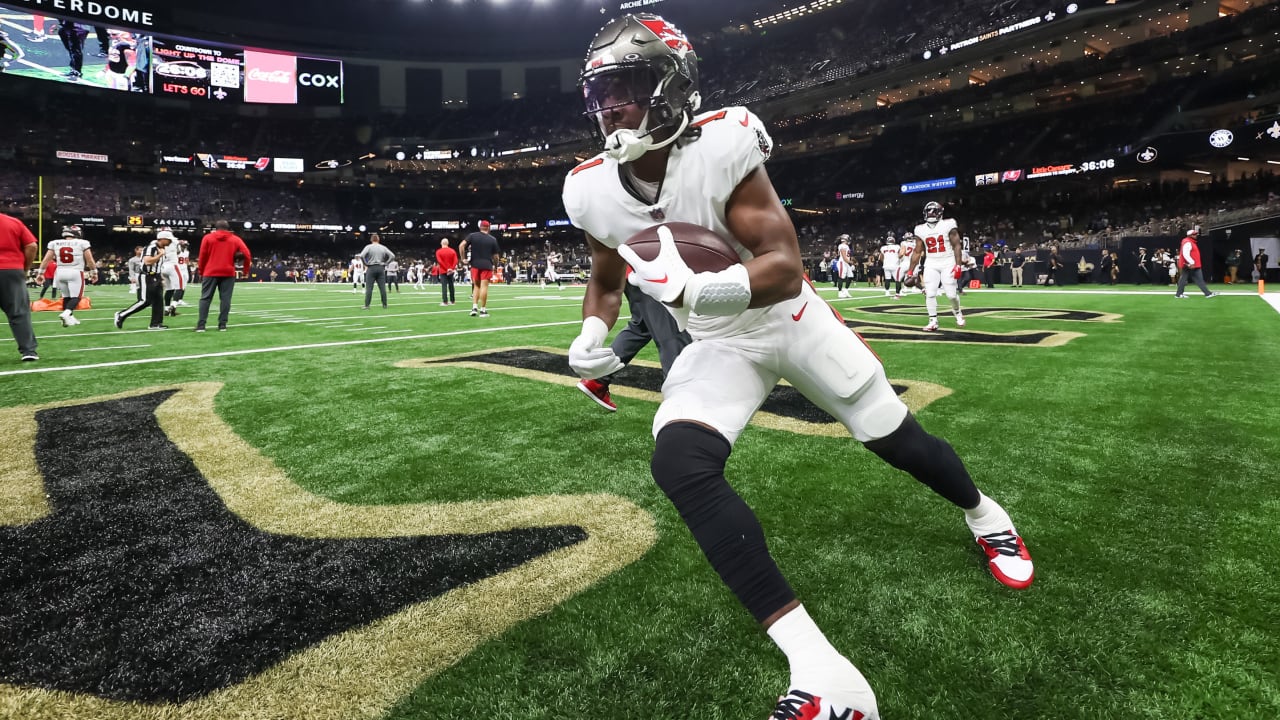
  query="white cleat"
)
[
  {"x": 932, "y": 326},
  {"x": 959, "y": 320}
]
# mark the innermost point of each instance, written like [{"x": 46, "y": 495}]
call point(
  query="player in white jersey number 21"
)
[
  {"x": 753, "y": 324},
  {"x": 940, "y": 246}
]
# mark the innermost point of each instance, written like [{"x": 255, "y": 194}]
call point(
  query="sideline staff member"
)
[
  {"x": 17, "y": 254},
  {"x": 217, "y": 265}
]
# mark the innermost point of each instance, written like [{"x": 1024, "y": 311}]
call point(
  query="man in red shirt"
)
[
  {"x": 17, "y": 254},
  {"x": 446, "y": 263},
  {"x": 1189, "y": 263},
  {"x": 217, "y": 266}
]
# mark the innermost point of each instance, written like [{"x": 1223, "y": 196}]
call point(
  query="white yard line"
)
[
  {"x": 117, "y": 347},
  {"x": 287, "y": 348},
  {"x": 392, "y": 332},
  {"x": 1272, "y": 299}
]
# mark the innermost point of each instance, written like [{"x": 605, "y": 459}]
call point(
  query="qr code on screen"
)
[{"x": 224, "y": 75}]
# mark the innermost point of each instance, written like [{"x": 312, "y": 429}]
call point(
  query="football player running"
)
[
  {"x": 71, "y": 258},
  {"x": 943, "y": 266},
  {"x": 752, "y": 324}
]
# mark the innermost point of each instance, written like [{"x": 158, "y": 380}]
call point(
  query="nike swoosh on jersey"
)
[
  {"x": 660, "y": 281},
  {"x": 746, "y": 120},
  {"x": 800, "y": 314}
]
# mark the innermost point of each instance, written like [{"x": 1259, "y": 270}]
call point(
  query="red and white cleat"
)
[
  {"x": 1008, "y": 558},
  {"x": 800, "y": 705}
]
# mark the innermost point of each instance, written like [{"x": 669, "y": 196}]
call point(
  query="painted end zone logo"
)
[{"x": 185, "y": 576}]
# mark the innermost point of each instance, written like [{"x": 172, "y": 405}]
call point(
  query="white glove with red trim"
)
[{"x": 662, "y": 278}]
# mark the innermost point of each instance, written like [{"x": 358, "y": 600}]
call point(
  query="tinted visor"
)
[{"x": 623, "y": 85}]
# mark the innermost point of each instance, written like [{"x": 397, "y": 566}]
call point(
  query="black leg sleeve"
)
[
  {"x": 688, "y": 464},
  {"x": 929, "y": 459}
]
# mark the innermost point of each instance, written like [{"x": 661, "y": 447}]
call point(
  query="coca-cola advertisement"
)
[{"x": 270, "y": 78}]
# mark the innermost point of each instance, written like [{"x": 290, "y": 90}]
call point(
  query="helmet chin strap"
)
[{"x": 626, "y": 145}]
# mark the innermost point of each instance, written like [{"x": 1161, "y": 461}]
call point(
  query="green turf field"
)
[{"x": 1135, "y": 440}]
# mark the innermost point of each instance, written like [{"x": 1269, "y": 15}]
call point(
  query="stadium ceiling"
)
[{"x": 443, "y": 30}]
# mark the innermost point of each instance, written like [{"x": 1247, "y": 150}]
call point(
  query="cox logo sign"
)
[{"x": 318, "y": 80}]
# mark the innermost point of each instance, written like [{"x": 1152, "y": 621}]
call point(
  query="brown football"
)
[{"x": 701, "y": 249}]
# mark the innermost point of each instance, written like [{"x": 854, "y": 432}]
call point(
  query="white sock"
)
[
  {"x": 988, "y": 517},
  {"x": 816, "y": 666}
]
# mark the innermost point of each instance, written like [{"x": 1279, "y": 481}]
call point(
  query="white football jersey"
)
[
  {"x": 701, "y": 175},
  {"x": 937, "y": 243},
  {"x": 357, "y": 265},
  {"x": 69, "y": 252},
  {"x": 171, "y": 255},
  {"x": 907, "y": 248},
  {"x": 184, "y": 257},
  {"x": 889, "y": 253}
]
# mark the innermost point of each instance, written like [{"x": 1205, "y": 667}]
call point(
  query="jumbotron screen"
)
[{"x": 73, "y": 51}]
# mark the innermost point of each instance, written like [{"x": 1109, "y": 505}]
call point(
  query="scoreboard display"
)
[
  {"x": 169, "y": 66},
  {"x": 231, "y": 74},
  {"x": 184, "y": 69}
]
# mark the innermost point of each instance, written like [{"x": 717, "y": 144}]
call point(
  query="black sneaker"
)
[
  {"x": 222, "y": 328},
  {"x": 30, "y": 357},
  {"x": 119, "y": 321},
  {"x": 158, "y": 327},
  {"x": 199, "y": 329}
]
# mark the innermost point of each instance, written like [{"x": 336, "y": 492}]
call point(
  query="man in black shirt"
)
[{"x": 483, "y": 250}]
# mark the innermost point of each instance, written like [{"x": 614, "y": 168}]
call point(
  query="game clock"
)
[{"x": 1094, "y": 165}]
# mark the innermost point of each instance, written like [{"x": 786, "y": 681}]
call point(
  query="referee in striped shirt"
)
[{"x": 151, "y": 283}]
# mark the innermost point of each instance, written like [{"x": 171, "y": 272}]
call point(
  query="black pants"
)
[
  {"x": 73, "y": 41},
  {"x": 446, "y": 288},
  {"x": 375, "y": 274},
  {"x": 649, "y": 321},
  {"x": 152, "y": 295},
  {"x": 225, "y": 286}
]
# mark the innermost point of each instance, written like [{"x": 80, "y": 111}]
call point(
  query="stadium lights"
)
[{"x": 1202, "y": 172}]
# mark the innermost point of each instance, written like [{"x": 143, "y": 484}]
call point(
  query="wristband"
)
[{"x": 723, "y": 293}]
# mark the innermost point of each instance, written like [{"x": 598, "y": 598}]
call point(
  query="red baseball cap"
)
[{"x": 484, "y": 225}]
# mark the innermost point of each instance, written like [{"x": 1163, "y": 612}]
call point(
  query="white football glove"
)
[
  {"x": 662, "y": 278},
  {"x": 587, "y": 357}
]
